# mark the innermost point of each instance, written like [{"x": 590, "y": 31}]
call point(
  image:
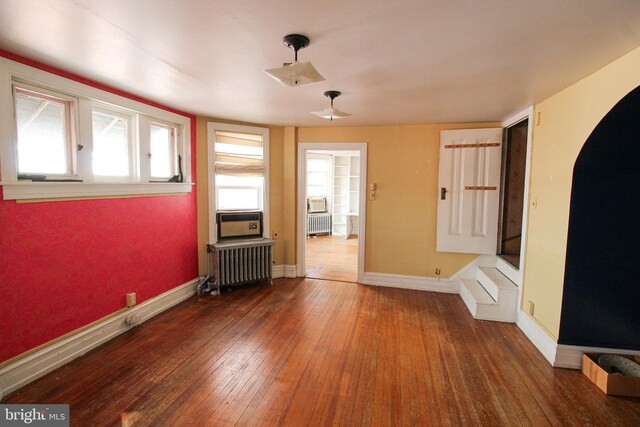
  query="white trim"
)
[
  {"x": 11, "y": 71},
  {"x": 516, "y": 118},
  {"x": 538, "y": 337},
  {"x": 35, "y": 365},
  {"x": 418, "y": 283},
  {"x": 290, "y": 271},
  {"x": 280, "y": 270},
  {"x": 303, "y": 149},
  {"x": 277, "y": 271},
  {"x": 211, "y": 176},
  {"x": 570, "y": 356},
  {"x": 517, "y": 276},
  {"x": 52, "y": 190}
]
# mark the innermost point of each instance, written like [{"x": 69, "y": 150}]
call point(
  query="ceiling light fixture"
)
[
  {"x": 296, "y": 73},
  {"x": 331, "y": 113}
]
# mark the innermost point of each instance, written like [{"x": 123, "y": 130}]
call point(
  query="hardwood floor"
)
[
  {"x": 312, "y": 352},
  {"x": 332, "y": 258}
]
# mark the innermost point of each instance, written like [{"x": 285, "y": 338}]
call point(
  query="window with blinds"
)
[{"x": 239, "y": 170}]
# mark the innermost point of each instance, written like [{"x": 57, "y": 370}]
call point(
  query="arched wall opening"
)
[{"x": 601, "y": 297}]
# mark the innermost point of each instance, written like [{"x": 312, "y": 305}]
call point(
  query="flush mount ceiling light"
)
[
  {"x": 331, "y": 113},
  {"x": 296, "y": 73}
]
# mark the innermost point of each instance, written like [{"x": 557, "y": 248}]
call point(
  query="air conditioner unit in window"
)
[
  {"x": 316, "y": 204},
  {"x": 239, "y": 224}
]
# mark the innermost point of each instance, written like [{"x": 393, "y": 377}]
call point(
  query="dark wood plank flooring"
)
[{"x": 312, "y": 352}]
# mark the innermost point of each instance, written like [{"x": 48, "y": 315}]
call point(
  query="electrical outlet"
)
[
  {"x": 131, "y": 299},
  {"x": 437, "y": 271}
]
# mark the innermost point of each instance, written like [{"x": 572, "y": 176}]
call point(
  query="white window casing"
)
[
  {"x": 247, "y": 165},
  {"x": 86, "y": 100}
]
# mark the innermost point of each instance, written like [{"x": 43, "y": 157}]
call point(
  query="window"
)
[
  {"x": 45, "y": 136},
  {"x": 239, "y": 166},
  {"x": 111, "y": 144},
  {"x": 163, "y": 153},
  {"x": 239, "y": 192},
  {"x": 53, "y": 129},
  {"x": 318, "y": 176}
]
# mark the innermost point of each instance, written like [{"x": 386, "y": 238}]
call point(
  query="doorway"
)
[
  {"x": 331, "y": 201},
  {"x": 600, "y": 293},
  {"x": 333, "y": 186},
  {"x": 514, "y": 161}
]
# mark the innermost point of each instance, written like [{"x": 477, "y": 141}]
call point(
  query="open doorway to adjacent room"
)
[
  {"x": 514, "y": 164},
  {"x": 331, "y": 212}
]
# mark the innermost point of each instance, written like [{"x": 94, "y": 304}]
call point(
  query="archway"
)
[{"x": 601, "y": 295}]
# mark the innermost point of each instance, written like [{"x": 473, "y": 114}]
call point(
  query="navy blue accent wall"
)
[{"x": 601, "y": 299}]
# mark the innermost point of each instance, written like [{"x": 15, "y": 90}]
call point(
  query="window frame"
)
[
  {"x": 174, "y": 148},
  {"x": 71, "y": 128},
  {"x": 329, "y": 178},
  {"x": 132, "y": 143},
  {"x": 12, "y": 72},
  {"x": 212, "y": 127}
]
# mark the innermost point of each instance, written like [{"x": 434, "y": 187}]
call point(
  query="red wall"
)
[{"x": 66, "y": 264}]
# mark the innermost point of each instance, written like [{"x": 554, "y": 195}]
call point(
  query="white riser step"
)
[
  {"x": 491, "y": 296},
  {"x": 494, "y": 282}
]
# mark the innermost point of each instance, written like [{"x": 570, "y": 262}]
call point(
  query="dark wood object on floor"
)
[
  {"x": 324, "y": 353},
  {"x": 332, "y": 258}
]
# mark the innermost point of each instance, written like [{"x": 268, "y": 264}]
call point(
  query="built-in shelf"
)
[{"x": 346, "y": 187}]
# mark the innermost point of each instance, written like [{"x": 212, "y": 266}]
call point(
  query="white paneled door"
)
[{"x": 469, "y": 190}]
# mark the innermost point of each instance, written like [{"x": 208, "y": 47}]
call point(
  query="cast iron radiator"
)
[
  {"x": 243, "y": 261},
  {"x": 318, "y": 223}
]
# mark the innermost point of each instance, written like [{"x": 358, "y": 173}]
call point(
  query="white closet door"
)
[{"x": 469, "y": 190}]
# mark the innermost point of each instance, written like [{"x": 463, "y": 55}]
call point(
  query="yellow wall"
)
[
  {"x": 401, "y": 221},
  {"x": 566, "y": 121},
  {"x": 276, "y": 186}
]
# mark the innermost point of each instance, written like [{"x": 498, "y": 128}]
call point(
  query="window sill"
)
[{"x": 55, "y": 190}]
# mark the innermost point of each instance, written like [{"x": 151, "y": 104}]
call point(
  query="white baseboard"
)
[
  {"x": 282, "y": 270},
  {"x": 570, "y": 356},
  {"x": 419, "y": 283},
  {"x": 290, "y": 271},
  {"x": 543, "y": 341},
  {"x": 35, "y": 365},
  {"x": 277, "y": 271}
]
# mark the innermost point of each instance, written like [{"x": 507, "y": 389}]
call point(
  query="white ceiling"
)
[{"x": 396, "y": 62}]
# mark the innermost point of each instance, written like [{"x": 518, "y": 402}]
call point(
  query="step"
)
[
  {"x": 479, "y": 294},
  {"x": 496, "y": 283},
  {"x": 473, "y": 295},
  {"x": 482, "y": 305}
]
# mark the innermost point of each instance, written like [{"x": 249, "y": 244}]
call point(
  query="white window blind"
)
[{"x": 239, "y": 154}]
